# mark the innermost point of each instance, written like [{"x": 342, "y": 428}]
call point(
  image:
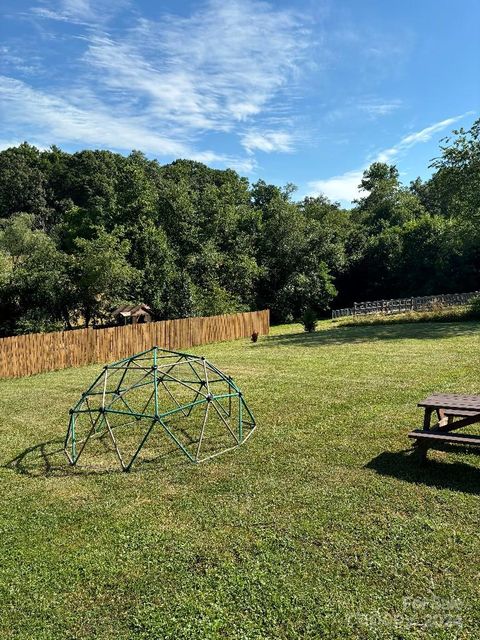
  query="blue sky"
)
[{"x": 305, "y": 91}]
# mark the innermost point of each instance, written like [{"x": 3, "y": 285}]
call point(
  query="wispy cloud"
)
[
  {"x": 344, "y": 187},
  {"x": 79, "y": 12},
  {"x": 268, "y": 141},
  {"x": 162, "y": 84},
  {"x": 353, "y": 108},
  {"x": 53, "y": 119},
  {"x": 424, "y": 135},
  {"x": 221, "y": 65},
  {"x": 379, "y": 108}
]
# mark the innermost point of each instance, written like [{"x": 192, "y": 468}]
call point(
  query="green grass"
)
[{"x": 322, "y": 526}]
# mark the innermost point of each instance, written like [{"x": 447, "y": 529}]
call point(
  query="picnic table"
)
[{"x": 454, "y": 411}]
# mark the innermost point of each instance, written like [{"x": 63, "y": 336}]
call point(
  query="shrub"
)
[
  {"x": 474, "y": 308},
  {"x": 309, "y": 320}
]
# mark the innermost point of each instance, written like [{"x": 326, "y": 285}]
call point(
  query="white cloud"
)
[
  {"x": 162, "y": 84},
  {"x": 52, "y": 120},
  {"x": 425, "y": 134},
  {"x": 80, "y": 12},
  {"x": 220, "y": 66},
  {"x": 377, "y": 109},
  {"x": 267, "y": 141},
  {"x": 55, "y": 120},
  {"x": 344, "y": 187}
]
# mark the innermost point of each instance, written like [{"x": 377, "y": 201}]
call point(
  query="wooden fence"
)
[
  {"x": 401, "y": 305},
  {"x": 39, "y": 352}
]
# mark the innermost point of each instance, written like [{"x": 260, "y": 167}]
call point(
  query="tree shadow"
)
[
  {"x": 404, "y": 465},
  {"x": 369, "y": 333},
  {"x": 48, "y": 459}
]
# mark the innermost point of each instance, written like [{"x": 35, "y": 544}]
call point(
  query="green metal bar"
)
[
  {"x": 85, "y": 410},
  {"x": 127, "y": 366},
  {"x": 177, "y": 353},
  {"x": 152, "y": 395},
  {"x": 93, "y": 422},
  {"x": 75, "y": 459},
  {"x": 225, "y": 395},
  {"x": 155, "y": 382},
  {"x": 240, "y": 422},
  {"x": 119, "y": 385},
  {"x": 97, "y": 393},
  {"x": 183, "y": 383},
  {"x": 142, "y": 353},
  {"x": 179, "y": 444},
  {"x": 128, "y": 413},
  {"x": 74, "y": 451},
  {"x": 195, "y": 372},
  {"x": 140, "y": 446},
  {"x": 138, "y": 384},
  {"x": 173, "y": 397},
  {"x": 170, "y": 365},
  {"x": 69, "y": 428},
  {"x": 196, "y": 381},
  {"x": 94, "y": 382},
  {"x": 193, "y": 406},
  {"x": 124, "y": 402},
  {"x": 225, "y": 422},
  {"x": 115, "y": 444},
  {"x": 224, "y": 377},
  {"x": 185, "y": 406},
  {"x": 248, "y": 410}
]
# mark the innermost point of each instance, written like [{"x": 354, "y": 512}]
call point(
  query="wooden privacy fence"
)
[
  {"x": 39, "y": 352},
  {"x": 401, "y": 305}
]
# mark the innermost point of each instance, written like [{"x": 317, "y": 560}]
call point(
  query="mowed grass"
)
[{"x": 322, "y": 526}]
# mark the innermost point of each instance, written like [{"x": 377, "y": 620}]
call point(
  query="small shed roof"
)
[{"x": 128, "y": 310}]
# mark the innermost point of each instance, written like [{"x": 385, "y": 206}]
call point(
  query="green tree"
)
[
  {"x": 103, "y": 275},
  {"x": 22, "y": 183},
  {"x": 455, "y": 186},
  {"x": 35, "y": 282},
  {"x": 387, "y": 202}
]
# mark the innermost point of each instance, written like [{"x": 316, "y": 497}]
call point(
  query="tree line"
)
[{"x": 81, "y": 233}]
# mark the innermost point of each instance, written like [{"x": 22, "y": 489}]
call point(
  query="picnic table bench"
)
[{"x": 454, "y": 411}]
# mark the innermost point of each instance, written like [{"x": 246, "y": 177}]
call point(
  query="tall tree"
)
[{"x": 103, "y": 275}]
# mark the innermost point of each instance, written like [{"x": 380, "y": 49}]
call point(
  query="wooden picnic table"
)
[{"x": 454, "y": 411}]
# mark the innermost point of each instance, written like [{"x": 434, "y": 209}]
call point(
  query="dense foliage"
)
[{"x": 83, "y": 232}]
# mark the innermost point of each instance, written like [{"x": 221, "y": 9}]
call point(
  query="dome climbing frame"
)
[{"x": 200, "y": 408}]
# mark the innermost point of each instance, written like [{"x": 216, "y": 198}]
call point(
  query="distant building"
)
[{"x": 133, "y": 314}]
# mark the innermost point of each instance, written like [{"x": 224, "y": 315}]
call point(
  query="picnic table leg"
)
[
  {"x": 427, "y": 418},
  {"x": 422, "y": 446}
]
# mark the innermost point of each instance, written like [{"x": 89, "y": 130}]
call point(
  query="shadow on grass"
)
[
  {"x": 405, "y": 465},
  {"x": 340, "y": 335},
  {"x": 48, "y": 459}
]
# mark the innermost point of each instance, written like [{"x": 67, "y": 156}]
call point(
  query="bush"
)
[
  {"x": 309, "y": 320},
  {"x": 474, "y": 308},
  {"x": 36, "y": 321},
  {"x": 446, "y": 314}
]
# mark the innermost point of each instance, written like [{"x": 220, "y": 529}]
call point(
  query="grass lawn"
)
[{"x": 321, "y": 526}]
